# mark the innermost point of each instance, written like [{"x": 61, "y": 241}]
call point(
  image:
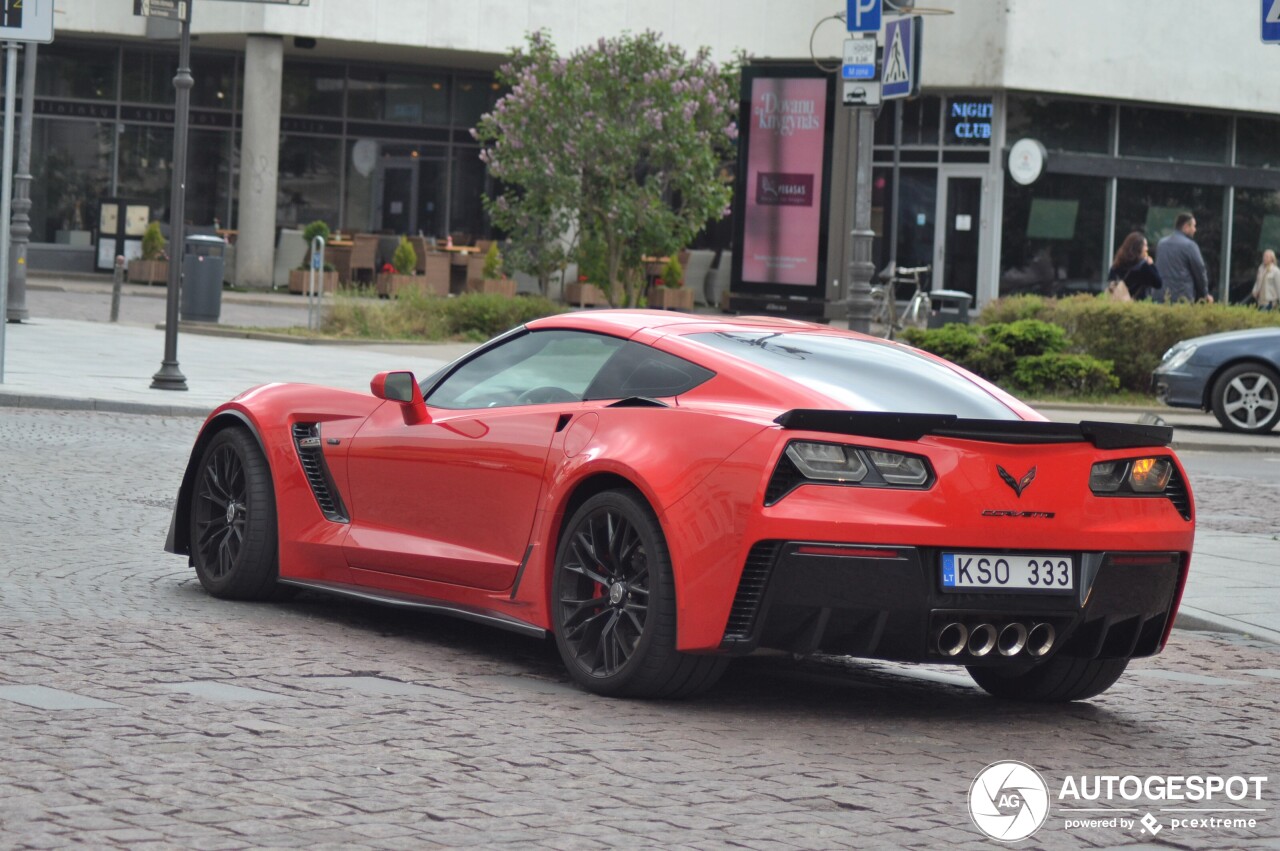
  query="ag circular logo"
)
[{"x": 1009, "y": 801}]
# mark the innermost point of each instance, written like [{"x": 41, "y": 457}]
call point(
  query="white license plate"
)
[{"x": 1007, "y": 572}]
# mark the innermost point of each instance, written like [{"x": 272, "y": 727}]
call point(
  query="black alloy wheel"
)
[
  {"x": 614, "y": 606},
  {"x": 233, "y": 519}
]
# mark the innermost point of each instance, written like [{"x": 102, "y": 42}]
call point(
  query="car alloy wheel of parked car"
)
[{"x": 1247, "y": 398}]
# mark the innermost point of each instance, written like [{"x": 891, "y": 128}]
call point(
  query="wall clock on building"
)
[{"x": 1026, "y": 161}]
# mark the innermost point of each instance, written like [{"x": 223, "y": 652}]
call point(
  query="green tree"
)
[
  {"x": 405, "y": 259},
  {"x": 621, "y": 142}
]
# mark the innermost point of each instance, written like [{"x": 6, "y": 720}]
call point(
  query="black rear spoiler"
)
[{"x": 891, "y": 426}]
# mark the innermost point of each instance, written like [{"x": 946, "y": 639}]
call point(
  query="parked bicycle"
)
[{"x": 885, "y": 317}]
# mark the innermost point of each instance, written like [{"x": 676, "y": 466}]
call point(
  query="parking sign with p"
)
[{"x": 863, "y": 16}]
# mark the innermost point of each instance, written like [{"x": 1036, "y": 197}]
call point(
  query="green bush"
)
[
  {"x": 153, "y": 242},
  {"x": 990, "y": 350},
  {"x": 673, "y": 273},
  {"x": 492, "y": 263},
  {"x": 413, "y": 315},
  {"x": 1133, "y": 335},
  {"x": 405, "y": 259},
  {"x": 1060, "y": 374}
]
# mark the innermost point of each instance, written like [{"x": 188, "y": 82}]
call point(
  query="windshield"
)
[{"x": 861, "y": 375}]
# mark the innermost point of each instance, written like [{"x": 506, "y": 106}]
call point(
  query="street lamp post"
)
[
  {"x": 20, "y": 230},
  {"x": 170, "y": 377}
]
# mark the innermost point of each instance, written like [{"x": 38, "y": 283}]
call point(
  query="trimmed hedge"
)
[
  {"x": 415, "y": 316},
  {"x": 1132, "y": 335},
  {"x": 1026, "y": 355}
]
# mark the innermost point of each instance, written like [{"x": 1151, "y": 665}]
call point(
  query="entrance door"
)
[
  {"x": 398, "y": 195},
  {"x": 959, "y": 243},
  {"x": 412, "y": 196}
]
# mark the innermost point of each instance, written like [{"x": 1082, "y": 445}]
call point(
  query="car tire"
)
[
  {"x": 1058, "y": 680},
  {"x": 1247, "y": 398},
  {"x": 613, "y": 604},
  {"x": 233, "y": 520}
]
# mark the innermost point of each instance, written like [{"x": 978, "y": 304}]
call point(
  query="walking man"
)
[{"x": 1180, "y": 265}]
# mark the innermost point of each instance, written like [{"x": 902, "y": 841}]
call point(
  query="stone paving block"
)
[
  {"x": 43, "y": 697},
  {"x": 212, "y": 690}
]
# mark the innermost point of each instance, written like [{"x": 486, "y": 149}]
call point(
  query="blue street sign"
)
[
  {"x": 901, "y": 66},
  {"x": 1271, "y": 21},
  {"x": 863, "y": 16},
  {"x": 859, "y": 58}
]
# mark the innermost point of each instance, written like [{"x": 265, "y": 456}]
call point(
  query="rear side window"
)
[
  {"x": 861, "y": 375},
  {"x": 639, "y": 370}
]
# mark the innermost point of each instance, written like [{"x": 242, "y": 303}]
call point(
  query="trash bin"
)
[
  {"x": 202, "y": 278},
  {"x": 948, "y": 306}
]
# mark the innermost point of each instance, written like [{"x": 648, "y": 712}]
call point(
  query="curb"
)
[
  {"x": 210, "y": 329},
  {"x": 106, "y": 406},
  {"x": 1198, "y": 620}
]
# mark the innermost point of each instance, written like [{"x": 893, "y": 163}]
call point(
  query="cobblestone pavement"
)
[{"x": 138, "y": 712}]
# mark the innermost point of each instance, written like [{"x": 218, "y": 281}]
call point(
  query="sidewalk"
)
[{"x": 81, "y": 365}]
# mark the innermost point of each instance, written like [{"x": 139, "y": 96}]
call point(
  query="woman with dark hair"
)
[{"x": 1133, "y": 266}]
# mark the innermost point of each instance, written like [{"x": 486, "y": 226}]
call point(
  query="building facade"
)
[{"x": 358, "y": 112}]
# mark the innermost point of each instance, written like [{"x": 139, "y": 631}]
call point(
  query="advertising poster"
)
[{"x": 783, "y": 187}]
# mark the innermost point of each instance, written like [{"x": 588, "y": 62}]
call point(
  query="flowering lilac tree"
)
[{"x": 621, "y": 143}]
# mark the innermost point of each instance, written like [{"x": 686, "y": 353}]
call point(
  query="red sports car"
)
[{"x": 662, "y": 492}]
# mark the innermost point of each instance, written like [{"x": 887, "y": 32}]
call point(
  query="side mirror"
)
[{"x": 402, "y": 387}]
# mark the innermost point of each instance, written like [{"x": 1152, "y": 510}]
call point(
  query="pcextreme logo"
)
[{"x": 1010, "y": 801}]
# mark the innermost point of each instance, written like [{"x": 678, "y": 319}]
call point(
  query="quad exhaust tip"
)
[
  {"x": 982, "y": 639},
  {"x": 1010, "y": 639},
  {"x": 1040, "y": 639},
  {"x": 952, "y": 638}
]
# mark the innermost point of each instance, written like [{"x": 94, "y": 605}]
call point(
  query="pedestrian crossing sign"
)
[{"x": 900, "y": 70}]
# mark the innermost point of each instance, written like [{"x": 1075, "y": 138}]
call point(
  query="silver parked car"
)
[{"x": 1235, "y": 374}]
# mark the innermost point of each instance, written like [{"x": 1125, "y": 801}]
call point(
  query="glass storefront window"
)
[
  {"x": 308, "y": 181},
  {"x": 1151, "y": 206},
  {"x": 473, "y": 97},
  {"x": 311, "y": 88},
  {"x": 1178, "y": 135},
  {"x": 400, "y": 97},
  {"x": 71, "y": 171},
  {"x": 148, "y": 78},
  {"x": 1052, "y": 236},
  {"x": 918, "y": 201},
  {"x": 1258, "y": 142},
  {"x": 1059, "y": 124},
  {"x": 208, "y": 176},
  {"x": 72, "y": 70},
  {"x": 1256, "y": 228},
  {"x": 467, "y": 217},
  {"x": 146, "y": 166},
  {"x": 920, "y": 118}
]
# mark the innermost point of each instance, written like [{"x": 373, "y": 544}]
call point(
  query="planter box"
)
[
  {"x": 299, "y": 279},
  {"x": 584, "y": 295},
  {"x": 499, "y": 286},
  {"x": 149, "y": 271},
  {"x": 670, "y": 298},
  {"x": 390, "y": 283}
]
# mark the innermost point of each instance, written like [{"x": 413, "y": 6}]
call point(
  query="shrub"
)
[
  {"x": 153, "y": 242},
  {"x": 1057, "y": 373},
  {"x": 492, "y": 263},
  {"x": 1028, "y": 337},
  {"x": 413, "y": 315},
  {"x": 1133, "y": 335},
  {"x": 673, "y": 273},
  {"x": 405, "y": 259},
  {"x": 311, "y": 231}
]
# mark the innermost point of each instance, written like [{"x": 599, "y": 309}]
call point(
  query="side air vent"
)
[
  {"x": 306, "y": 438},
  {"x": 1176, "y": 490},
  {"x": 785, "y": 479},
  {"x": 751, "y": 588}
]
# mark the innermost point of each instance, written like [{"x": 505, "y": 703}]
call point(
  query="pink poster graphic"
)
[{"x": 784, "y": 176}]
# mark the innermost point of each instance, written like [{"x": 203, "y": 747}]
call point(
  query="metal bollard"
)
[{"x": 117, "y": 280}]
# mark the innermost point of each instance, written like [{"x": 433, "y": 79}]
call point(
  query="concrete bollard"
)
[{"x": 117, "y": 280}]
